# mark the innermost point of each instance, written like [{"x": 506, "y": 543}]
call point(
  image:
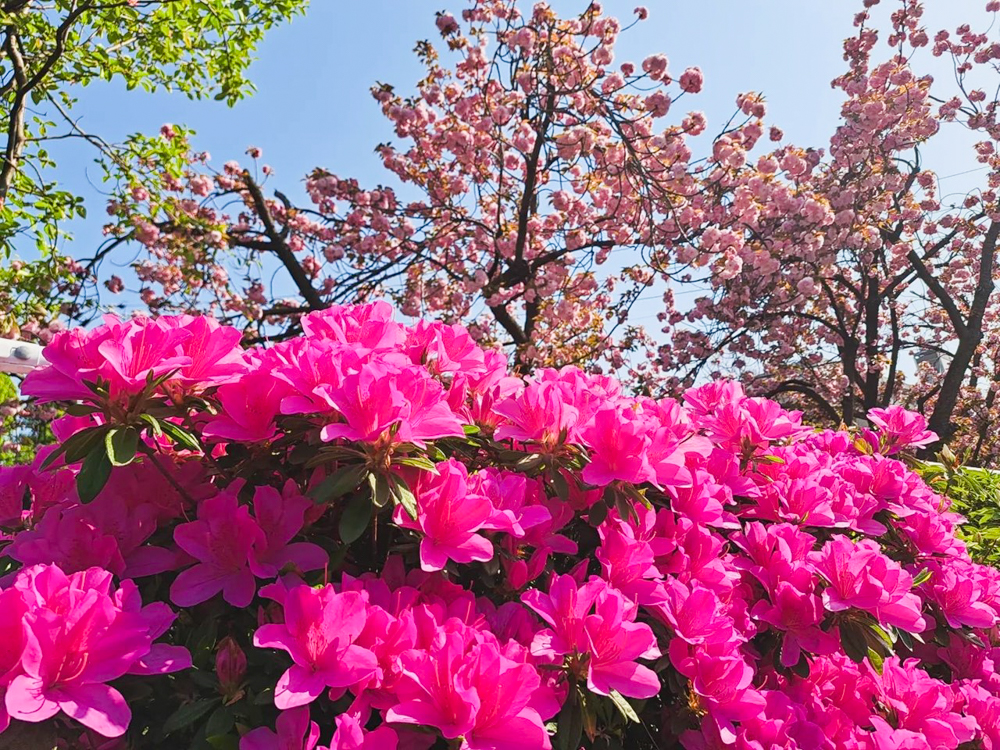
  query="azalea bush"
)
[{"x": 373, "y": 537}]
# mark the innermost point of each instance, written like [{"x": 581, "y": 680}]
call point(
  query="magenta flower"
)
[
  {"x": 13, "y": 490},
  {"x": 13, "y": 637},
  {"x": 618, "y": 442},
  {"x": 350, "y": 735},
  {"x": 509, "y": 495},
  {"x": 899, "y": 429},
  {"x": 319, "y": 632},
  {"x": 78, "y": 639},
  {"x": 294, "y": 732},
  {"x": 139, "y": 347},
  {"x": 249, "y": 406},
  {"x": 860, "y": 576},
  {"x": 385, "y": 402},
  {"x": 73, "y": 359},
  {"x": 472, "y": 692},
  {"x": 65, "y": 537},
  {"x": 538, "y": 414},
  {"x": 564, "y": 608},
  {"x": 609, "y": 636},
  {"x": 695, "y": 614},
  {"x": 214, "y": 350},
  {"x": 448, "y": 516},
  {"x": 797, "y": 614},
  {"x": 280, "y": 516},
  {"x": 958, "y": 596},
  {"x": 444, "y": 348},
  {"x": 615, "y": 641},
  {"x": 222, "y": 540},
  {"x": 723, "y": 680},
  {"x": 627, "y": 563},
  {"x": 923, "y": 704},
  {"x": 367, "y": 327},
  {"x": 845, "y": 565}
]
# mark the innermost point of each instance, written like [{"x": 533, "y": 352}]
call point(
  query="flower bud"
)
[{"x": 230, "y": 666}]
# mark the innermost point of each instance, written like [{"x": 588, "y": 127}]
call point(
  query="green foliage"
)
[
  {"x": 48, "y": 53},
  {"x": 22, "y": 431},
  {"x": 975, "y": 493}
]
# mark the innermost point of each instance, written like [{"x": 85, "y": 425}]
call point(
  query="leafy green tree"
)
[{"x": 49, "y": 50}]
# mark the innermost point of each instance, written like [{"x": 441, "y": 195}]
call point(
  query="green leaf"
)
[
  {"x": 121, "y": 445},
  {"x": 885, "y": 639},
  {"x": 153, "y": 422},
  {"x": 380, "y": 489},
  {"x": 560, "y": 485},
  {"x": 355, "y": 518},
  {"x": 188, "y": 714},
  {"x": 875, "y": 659},
  {"x": 852, "y": 638},
  {"x": 801, "y": 667},
  {"x": 179, "y": 435},
  {"x": 623, "y": 706},
  {"x": 93, "y": 475},
  {"x": 471, "y": 429},
  {"x": 922, "y": 577},
  {"x": 417, "y": 462},
  {"x": 220, "y": 722},
  {"x": 404, "y": 496},
  {"x": 81, "y": 444},
  {"x": 338, "y": 484},
  {"x": 569, "y": 725}
]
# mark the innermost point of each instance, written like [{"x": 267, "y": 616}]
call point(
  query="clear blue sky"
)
[{"x": 312, "y": 107}]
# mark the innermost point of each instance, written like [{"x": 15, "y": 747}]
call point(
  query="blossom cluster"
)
[{"x": 376, "y": 536}]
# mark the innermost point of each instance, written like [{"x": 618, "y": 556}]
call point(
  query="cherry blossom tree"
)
[
  {"x": 539, "y": 190},
  {"x": 846, "y": 262}
]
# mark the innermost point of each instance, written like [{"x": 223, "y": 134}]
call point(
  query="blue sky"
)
[{"x": 313, "y": 108}]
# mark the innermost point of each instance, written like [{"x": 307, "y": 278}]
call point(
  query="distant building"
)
[{"x": 932, "y": 357}]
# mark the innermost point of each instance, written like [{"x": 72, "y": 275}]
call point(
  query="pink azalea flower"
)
[
  {"x": 485, "y": 700},
  {"x": 509, "y": 494},
  {"x": 923, "y": 704},
  {"x": 13, "y": 491},
  {"x": 13, "y": 637},
  {"x": 797, "y": 614},
  {"x": 538, "y": 414},
  {"x": 78, "y": 639},
  {"x": 564, "y": 608},
  {"x": 609, "y": 635},
  {"x": 350, "y": 735},
  {"x": 384, "y": 402},
  {"x": 695, "y": 614},
  {"x": 957, "y": 594},
  {"x": 214, "y": 350},
  {"x": 65, "y": 537},
  {"x": 628, "y": 564},
  {"x": 73, "y": 359},
  {"x": 443, "y": 348},
  {"x": 367, "y": 327},
  {"x": 294, "y": 732},
  {"x": 615, "y": 641},
  {"x": 222, "y": 541},
  {"x": 280, "y": 516},
  {"x": 899, "y": 429},
  {"x": 138, "y": 348},
  {"x": 249, "y": 407},
  {"x": 618, "y": 443},
  {"x": 448, "y": 516},
  {"x": 722, "y": 679},
  {"x": 319, "y": 632},
  {"x": 860, "y": 576}
]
